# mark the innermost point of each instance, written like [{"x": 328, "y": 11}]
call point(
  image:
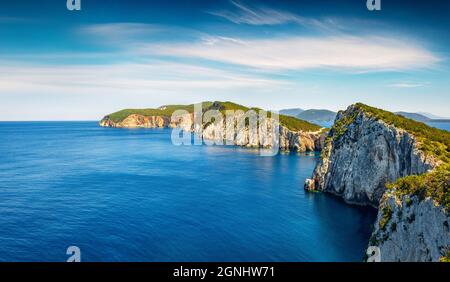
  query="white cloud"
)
[
  {"x": 73, "y": 92},
  {"x": 120, "y": 34},
  {"x": 128, "y": 78},
  {"x": 125, "y": 29},
  {"x": 357, "y": 53},
  {"x": 244, "y": 14},
  {"x": 407, "y": 85},
  {"x": 349, "y": 53}
]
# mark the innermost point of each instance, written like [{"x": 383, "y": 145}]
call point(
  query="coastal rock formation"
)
[
  {"x": 141, "y": 121},
  {"x": 290, "y": 140},
  {"x": 362, "y": 154},
  {"x": 137, "y": 121},
  {"x": 410, "y": 229},
  {"x": 364, "y": 151}
]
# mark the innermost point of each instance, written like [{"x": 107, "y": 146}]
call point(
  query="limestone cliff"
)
[
  {"x": 368, "y": 148},
  {"x": 289, "y": 140},
  {"x": 362, "y": 154},
  {"x": 138, "y": 121},
  {"x": 410, "y": 229},
  {"x": 300, "y": 140}
]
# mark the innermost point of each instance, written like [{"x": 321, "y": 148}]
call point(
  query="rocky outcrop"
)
[
  {"x": 289, "y": 140},
  {"x": 137, "y": 121},
  {"x": 410, "y": 229},
  {"x": 362, "y": 154}
]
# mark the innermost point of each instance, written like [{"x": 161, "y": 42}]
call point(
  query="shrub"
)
[
  {"x": 387, "y": 215},
  {"x": 434, "y": 184}
]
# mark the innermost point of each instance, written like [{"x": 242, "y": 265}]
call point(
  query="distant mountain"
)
[
  {"x": 414, "y": 116},
  {"x": 317, "y": 115},
  {"x": 431, "y": 116},
  {"x": 421, "y": 117},
  {"x": 326, "y": 117},
  {"x": 291, "y": 112}
]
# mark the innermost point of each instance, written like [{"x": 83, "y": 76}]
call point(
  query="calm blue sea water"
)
[
  {"x": 440, "y": 125},
  {"x": 130, "y": 195}
]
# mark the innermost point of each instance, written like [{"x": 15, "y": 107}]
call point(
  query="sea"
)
[{"x": 130, "y": 195}]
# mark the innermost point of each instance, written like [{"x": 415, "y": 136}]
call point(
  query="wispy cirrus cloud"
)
[
  {"x": 262, "y": 15},
  {"x": 244, "y": 14},
  {"x": 121, "y": 31},
  {"x": 346, "y": 53},
  {"x": 407, "y": 84},
  {"x": 19, "y": 77}
]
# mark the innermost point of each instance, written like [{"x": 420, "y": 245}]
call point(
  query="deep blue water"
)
[
  {"x": 440, "y": 125},
  {"x": 130, "y": 195}
]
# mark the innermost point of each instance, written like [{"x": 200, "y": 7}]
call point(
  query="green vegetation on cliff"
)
[
  {"x": 291, "y": 123},
  {"x": 434, "y": 184},
  {"x": 445, "y": 258},
  {"x": 341, "y": 126},
  {"x": 434, "y": 141},
  {"x": 386, "y": 216}
]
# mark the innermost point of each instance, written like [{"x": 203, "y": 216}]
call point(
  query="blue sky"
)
[{"x": 57, "y": 64}]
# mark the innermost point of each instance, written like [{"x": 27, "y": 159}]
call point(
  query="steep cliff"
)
[
  {"x": 409, "y": 228},
  {"x": 289, "y": 140},
  {"x": 368, "y": 152},
  {"x": 295, "y": 135},
  {"x": 362, "y": 154}
]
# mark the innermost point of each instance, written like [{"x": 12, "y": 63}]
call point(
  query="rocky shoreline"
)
[{"x": 290, "y": 140}]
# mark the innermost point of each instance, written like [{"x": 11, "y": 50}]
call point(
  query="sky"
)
[{"x": 57, "y": 64}]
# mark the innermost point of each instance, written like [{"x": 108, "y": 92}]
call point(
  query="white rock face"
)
[
  {"x": 358, "y": 164},
  {"x": 358, "y": 160},
  {"x": 217, "y": 132},
  {"x": 416, "y": 231}
]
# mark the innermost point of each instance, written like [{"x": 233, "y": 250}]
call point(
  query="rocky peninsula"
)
[
  {"x": 295, "y": 134},
  {"x": 397, "y": 165}
]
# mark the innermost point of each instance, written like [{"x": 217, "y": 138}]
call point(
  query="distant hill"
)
[
  {"x": 317, "y": 115},
  {"x": 291, "y": 112},
  {"x": 422, "y": 117},
  {"x": 414, "y": 116},
  {"x": 431, "y": 116}
]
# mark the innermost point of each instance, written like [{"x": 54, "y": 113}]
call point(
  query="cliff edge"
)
[{"x": 374, "y": 157}]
